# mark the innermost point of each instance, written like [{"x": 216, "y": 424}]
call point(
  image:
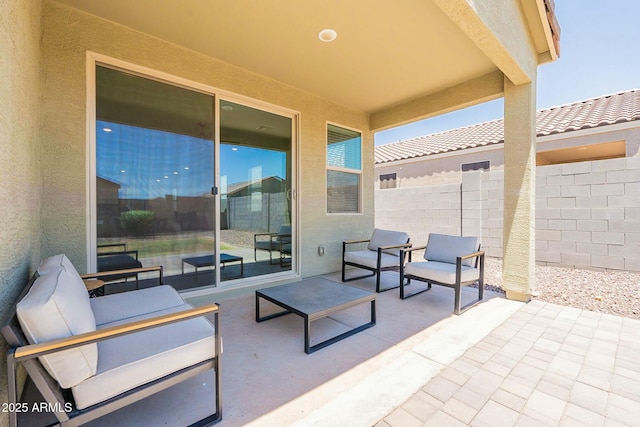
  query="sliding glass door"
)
[
  {"x": 162, "y": 199},
  {"x": 255, "y": 177}
]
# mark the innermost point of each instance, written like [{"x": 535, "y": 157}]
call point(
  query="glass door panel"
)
[
  {"x": 154, "y": 177},
  {"x": 255, "y": 190}
]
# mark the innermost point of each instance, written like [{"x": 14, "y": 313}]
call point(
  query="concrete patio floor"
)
[{"x": 501, "y": 363}]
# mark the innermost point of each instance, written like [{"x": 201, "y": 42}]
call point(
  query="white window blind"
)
[{"x": 344, "y": 170}]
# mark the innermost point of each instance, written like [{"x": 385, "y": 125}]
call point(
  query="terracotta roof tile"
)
[{"x": 591, "y": 113}]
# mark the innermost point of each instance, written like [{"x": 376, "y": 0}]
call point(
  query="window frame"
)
[
  {"x": 357, "y": 172},
  {"x": 392, "y": 177}
]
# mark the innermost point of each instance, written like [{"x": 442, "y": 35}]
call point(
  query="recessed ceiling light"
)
[
  {"x": 327, "y": 35},
  {"x": 122, "y": 171},
  {"x": 107, "y": 130},
  {"x": 234, "y": 149}
]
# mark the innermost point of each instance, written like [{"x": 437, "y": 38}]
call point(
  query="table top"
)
[
  {"x": 207, "y": 260},
  {"x": 317, "y": 296}
]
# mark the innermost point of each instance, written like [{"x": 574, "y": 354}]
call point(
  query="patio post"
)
[{"x": 518, "y": 269}]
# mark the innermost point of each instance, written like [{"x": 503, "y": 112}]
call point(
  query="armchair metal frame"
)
[
  {"x": 378, "y": 269},
  {"x": 457, "y": 286}
]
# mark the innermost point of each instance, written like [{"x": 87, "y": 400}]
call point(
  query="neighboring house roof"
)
[{"x": 591, "y": 113}]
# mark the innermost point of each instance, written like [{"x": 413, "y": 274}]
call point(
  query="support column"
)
[{"x": 519, "y": 238}]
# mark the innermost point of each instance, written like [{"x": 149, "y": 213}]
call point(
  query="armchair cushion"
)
[
  {"x": 441, "y": 272},
  {"x": 444, "y": 248},
  {"x": 54, "y": 263},
  {"x": 109, "y": 310},
  {"x": 387, "y": 238},
  {"x": 136, "y": 359},
  {"x": 57, "y": 306},
  {"x": 370, "y": 259}
]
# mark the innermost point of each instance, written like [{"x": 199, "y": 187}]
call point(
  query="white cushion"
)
[
  {"x": 444, "y": 248},
  {"x": 136, "y": 359},
  {"x": 57, "y": 306},
  {"x": 56, "y": 262},
  {"x": 387, "y": 238},
  {"x": 441, "y": 272},
  {"x": 370, "y": 259},
  {"x": 128, "y": 305}
]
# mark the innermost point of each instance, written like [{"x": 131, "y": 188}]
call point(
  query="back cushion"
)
[
  {"x": 387, "y": 238},
  {"x": 444, "y": 248},
  {"x": 55, "y": 262},
  {"x": 57, "y": 306}
]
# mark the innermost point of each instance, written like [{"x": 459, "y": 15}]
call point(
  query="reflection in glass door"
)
[
  {"x": 154, "y": 178},
  {"x": 255, "y": 189}
]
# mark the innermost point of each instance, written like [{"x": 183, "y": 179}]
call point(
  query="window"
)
[
  {"x": 476, "y": 166},
  {"x": 388, "y": 181},
  {"x": 344, "y": 169}
]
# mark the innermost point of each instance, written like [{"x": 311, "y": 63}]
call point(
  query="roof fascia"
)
[
  {"x": 500, "y": 30},
  {"x": 496, "y": 146},
  {"x": 590, "y": 131}
]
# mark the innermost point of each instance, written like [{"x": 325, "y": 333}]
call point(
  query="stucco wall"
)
[
  {"x": 20, "y": 179},
  {"x": 68, "y": 34}
]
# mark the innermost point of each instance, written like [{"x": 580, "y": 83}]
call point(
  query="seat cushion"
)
[
  {"x": 57, "y": 306},
  {"x": 129, "y": 305},
  {"x": 387, "y": 238},
  {"x": 370, "y": 259},
  {"x": 132, "y": 360},
  {"x": 445, "y": 248},
  {"x": 441, "y": 272}
]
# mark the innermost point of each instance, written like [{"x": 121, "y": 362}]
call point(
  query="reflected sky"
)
[{"x": 149, "y": 163}]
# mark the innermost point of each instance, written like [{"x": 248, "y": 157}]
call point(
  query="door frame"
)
[{"x": 94, "y": 59}]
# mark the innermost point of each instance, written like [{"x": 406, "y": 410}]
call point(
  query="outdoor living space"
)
[
  {"x": 501, "y": 363},
  {"x": 173, "y": 128}
]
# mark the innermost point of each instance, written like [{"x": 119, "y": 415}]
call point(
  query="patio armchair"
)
[
  {"x": 450, "y": 261},
  {"x": 89, "y": 357},
  {"x": 274, "y": 242},
  {"x": 382, "y": 253}
]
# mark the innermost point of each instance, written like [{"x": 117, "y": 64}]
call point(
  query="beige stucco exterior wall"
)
[
  {"x": 69, "y": 33},
  {"x": 20, "y": 180}
]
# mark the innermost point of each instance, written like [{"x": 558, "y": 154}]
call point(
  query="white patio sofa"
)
[
  {"x": 89, "y": 357},
  {"x": 451, "y": 261}
]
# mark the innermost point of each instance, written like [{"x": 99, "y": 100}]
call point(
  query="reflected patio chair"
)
[{"x": 274, "y": 242}]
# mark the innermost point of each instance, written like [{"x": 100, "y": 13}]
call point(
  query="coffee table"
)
[
  {"x": 209, "y": 260},
  {"x": 313, "y": 299}
]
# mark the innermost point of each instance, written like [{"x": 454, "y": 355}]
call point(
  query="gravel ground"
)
[{"x": 612, "y": 292}]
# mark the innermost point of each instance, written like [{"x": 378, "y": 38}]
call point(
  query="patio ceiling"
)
[{"x": 383, "y": 56}]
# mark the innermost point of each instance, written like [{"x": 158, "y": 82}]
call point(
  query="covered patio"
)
[
  {"x": 503, "y": 363},
  {"x": 388, "y": 66}
]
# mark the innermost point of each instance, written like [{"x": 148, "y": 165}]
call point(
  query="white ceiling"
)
[{"x": 386, "y": 53}]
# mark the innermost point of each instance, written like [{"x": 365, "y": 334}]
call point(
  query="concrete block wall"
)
[
  {"x": 420, "y": 210},
  {"x": 587, "y": 213}
]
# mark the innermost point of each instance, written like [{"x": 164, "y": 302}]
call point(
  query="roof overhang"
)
[{"x": 399, "y": 63}]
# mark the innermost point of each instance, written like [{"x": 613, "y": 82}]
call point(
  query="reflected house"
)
[{"x": 254, "y": 205}]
